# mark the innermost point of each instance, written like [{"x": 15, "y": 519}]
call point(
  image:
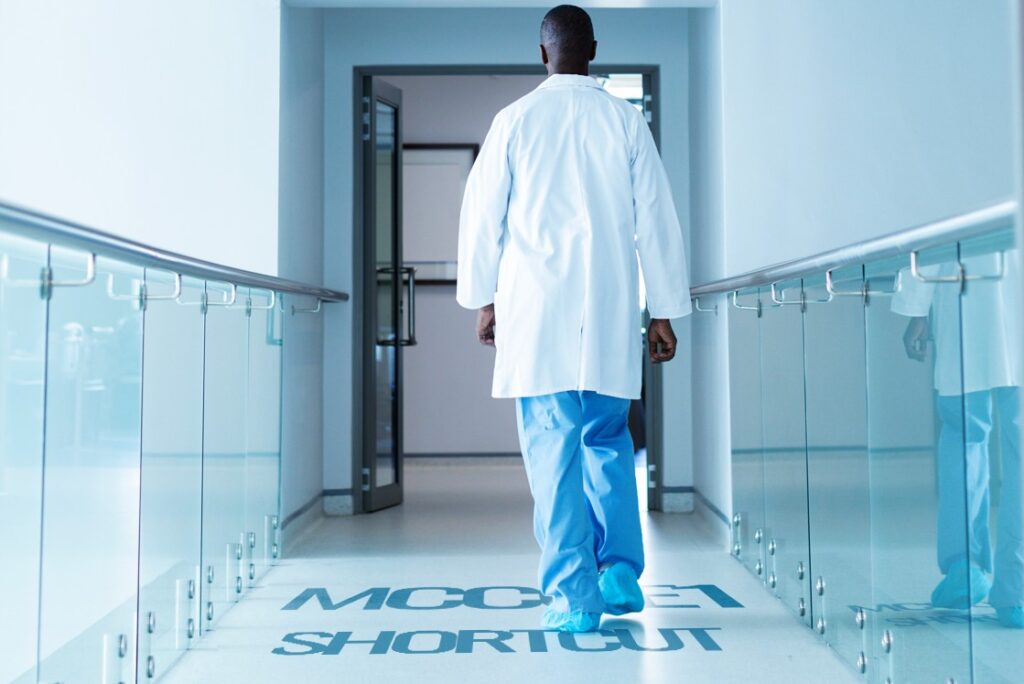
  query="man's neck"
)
[{"x": 575, "y": 70}]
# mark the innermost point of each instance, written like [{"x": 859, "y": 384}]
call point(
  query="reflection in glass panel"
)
[
  {"x": 916, "y": 456},
  {"x": 384, "y": 216},
  {"x": 263, "y": 428},
  {"x": 988, "y": 488},
  {"x": 172, "y": 445},
  {"x": 22, "y": 359},
  {"x": 745, "y": 405},
  {"x": 387, "y": 283},
  {"x": 787, "y": 561},
  {"x": 224, "y": 437},
  {"x": 837, "y": 458},
  {"x": 91, "y": 496},
  {"x": 385, "y": 378},
  {"x": 385, "y": 182}
]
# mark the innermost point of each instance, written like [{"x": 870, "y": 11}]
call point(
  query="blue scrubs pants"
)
[
  {"x": 579, "y": 461},
  {"x": 963, "y": 477}
]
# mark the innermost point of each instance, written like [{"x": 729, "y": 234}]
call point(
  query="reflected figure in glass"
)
[{"x": 978, "y": 405}]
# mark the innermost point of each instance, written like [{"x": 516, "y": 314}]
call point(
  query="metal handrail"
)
[
  {"x": 901, "y": 243},
  {"x": 36, "y": 225}
]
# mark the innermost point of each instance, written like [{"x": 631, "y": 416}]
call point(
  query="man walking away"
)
[{"x": 567, "y": 190}]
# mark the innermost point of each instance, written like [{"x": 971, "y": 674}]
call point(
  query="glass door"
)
[{"x": 389, "y": 314}]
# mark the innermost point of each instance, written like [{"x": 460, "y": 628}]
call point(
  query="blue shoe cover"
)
[
  {"x": 620, "y": 590},
  {"x": 951, "y": 592},
  {"x": 1012, "y": 616},
  {"x": 576, "y": 621}
]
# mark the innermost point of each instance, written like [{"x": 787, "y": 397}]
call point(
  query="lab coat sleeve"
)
[
  {"x": 659, "y": 237},
  {"x": 482, "y": 222},
  {"x": 913, "y": 298}
]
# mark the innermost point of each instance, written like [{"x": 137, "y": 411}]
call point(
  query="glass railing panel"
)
[
  {"x": 224, "y": 439},
  {"x": 837, "y": 458},
  {"x": 918, "y": 622},
  {"x": 22, "y": 373},
  {"x": 787, "y": 559},
  {"x": 745, "y": 432},
  {"x": 988, "y": 488},
  {"x": 91, "y": 494},
  {"x": 263, "y": 427},
  {"x": 172, "y": 443}
]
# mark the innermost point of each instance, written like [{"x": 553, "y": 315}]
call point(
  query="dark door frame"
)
[{"x": 652, "y": 372}]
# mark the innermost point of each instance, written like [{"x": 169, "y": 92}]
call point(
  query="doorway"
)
[{"x": 426, "y": 394}]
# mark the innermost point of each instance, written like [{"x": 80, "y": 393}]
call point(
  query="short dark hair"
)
[{"x": 568, "y": 29}]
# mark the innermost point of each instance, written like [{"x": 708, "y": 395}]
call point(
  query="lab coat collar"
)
[{"x": 579, "y": 80}]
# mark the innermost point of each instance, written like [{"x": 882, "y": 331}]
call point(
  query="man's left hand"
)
[{"x": 485, "y": 325}]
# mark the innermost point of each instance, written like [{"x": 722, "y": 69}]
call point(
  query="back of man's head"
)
[{"x": 568, "y": 33}]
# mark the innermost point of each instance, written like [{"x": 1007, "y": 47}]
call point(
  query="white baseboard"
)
[
  {"x": 677, "y": 502},
  {"x": 338, "y": 504}
]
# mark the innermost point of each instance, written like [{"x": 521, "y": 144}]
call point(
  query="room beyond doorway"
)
[{"x": 437, "y": 404}]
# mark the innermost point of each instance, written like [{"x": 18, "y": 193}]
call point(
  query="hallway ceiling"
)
[{"x": 497, "y": 3}]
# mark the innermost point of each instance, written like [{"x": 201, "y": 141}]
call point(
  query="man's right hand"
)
[
  {"x": 915, "y": 339},
  {"x": 485, "y": 325},
  {"x": 661, "y": 341}
]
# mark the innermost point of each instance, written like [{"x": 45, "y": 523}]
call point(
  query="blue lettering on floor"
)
[
  {"x": 466, "y": 641},
  {"x": 502, "y": 597},
  {"x": 498, "y": 597}
]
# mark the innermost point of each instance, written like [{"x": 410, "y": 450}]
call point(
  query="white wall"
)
[
  {"x": 852, "y": 120},
  {"x": 301, "y": 258},
  {"x": 154, "y": 120},
  {"x": 711, "y": 445},
  {"x": 467, "y": 37},
  {"x": 162, "y": 121}
]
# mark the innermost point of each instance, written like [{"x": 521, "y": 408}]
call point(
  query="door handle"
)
[
  {"x": 410, "y": 341},
  {"x": 410, "y": 320}
]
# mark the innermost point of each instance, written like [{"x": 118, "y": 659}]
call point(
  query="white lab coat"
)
[
  {"x": 979, "y": 330},
  {"x": 567, "y": 190}
]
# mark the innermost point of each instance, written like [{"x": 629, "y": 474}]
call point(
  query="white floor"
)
[{"x": 465, "y": 527}]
